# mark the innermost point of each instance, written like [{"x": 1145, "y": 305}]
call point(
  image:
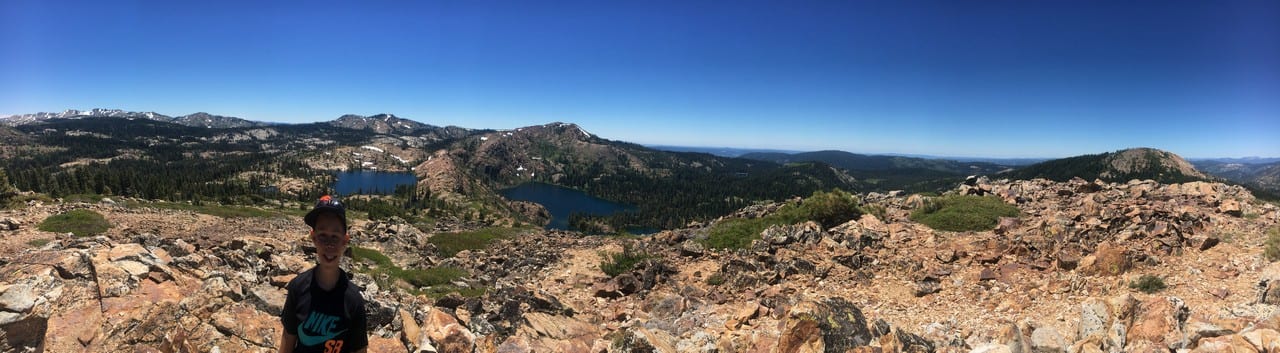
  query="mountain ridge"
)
[{"x": 1117, "y": 166}]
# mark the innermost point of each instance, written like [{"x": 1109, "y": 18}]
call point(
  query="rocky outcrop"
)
[{"x": 1054, "y": 280}]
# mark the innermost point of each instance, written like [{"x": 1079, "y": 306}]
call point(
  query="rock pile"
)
[{"x": 1055, "y": 279}]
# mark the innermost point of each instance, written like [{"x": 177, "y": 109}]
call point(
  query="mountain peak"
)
[
  {"x": 1118, "y": 166},
  {"x": 1140, "y": 159},
  {"x": 206, "y": 120},
  {"x": 563, "y": 127},
  {"x": 383, "y": 123}
]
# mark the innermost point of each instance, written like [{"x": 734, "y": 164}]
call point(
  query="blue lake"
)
[
  {"x": 562, "y": 202},
  {"x": 371, "y": 182}
]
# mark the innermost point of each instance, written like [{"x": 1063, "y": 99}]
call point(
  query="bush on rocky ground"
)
[
  {"x": 963, "y": 213},
  {"x": 827, "y": 208},
  {"x": 1148, "y": 284},
  {"x": 1272, "y": 250},
  {"x": 450, "y": 244},
  {"x": 618, "y": 263},
  {"x": 80, "y": 222}
]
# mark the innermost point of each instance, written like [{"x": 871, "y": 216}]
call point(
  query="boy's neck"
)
[{"x": 327, "y": 278}]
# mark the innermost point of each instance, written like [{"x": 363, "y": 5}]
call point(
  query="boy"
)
[{"x": 324, "y": 312}]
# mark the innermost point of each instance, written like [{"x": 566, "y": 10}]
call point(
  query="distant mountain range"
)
[
  {"x": 505, "y": 162},
  {"x": 1265, "y": 176},
  {"x": 201, "y": 119},
  {"x": 718, "y": 151}
]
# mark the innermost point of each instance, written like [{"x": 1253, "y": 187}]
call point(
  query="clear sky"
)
[{"x": 953, "y": 78}]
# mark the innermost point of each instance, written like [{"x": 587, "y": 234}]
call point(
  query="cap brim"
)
[{"x": 310, "y": 218}]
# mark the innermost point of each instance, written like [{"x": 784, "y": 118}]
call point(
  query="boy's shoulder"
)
[
  {"x": 300, "y": 282},
  {"x": 354, "y": 293}
]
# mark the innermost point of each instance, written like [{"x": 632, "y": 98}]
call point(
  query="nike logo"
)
[
  {"x": 309, "y": 340},
  {"x": 321, "y": 325}
]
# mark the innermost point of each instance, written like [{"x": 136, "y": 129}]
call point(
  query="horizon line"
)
[{"x": 774, "y": 149}]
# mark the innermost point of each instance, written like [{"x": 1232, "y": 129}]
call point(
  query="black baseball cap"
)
[{"x": 327, "y": 204}]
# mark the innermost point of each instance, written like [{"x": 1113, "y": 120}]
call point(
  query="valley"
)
[{"x": 127, "y": 232}]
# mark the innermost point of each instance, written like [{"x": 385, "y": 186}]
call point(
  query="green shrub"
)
[
  {"x": 1272, "y": 246},
  {"x": 1148, "y": 284},
  {"x": 450, "y": 244},
  {"x": 38, "y": 242},
  {"x": 80, "y": 222},
  {"x": 962, "y": 213},
  {"x": 618, "y": 263},
  {"x": 715, "y": 279},
  {"x": 828, "y": 208},
  {"x": 431, "y": 277}
]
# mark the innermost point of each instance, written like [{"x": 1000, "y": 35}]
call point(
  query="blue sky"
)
[{"x": 952, "y": 78}]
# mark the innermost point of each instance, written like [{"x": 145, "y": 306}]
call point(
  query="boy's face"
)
[{"x": 330, "y": 239}]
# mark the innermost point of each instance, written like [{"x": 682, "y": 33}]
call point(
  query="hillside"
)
[
  {"x": 861, "y": 162},
  {"x": 460, "y": 171},
  {"x": 1059, "y": 276},
  {"x": 1262, "y": 176},
  {"x": 669, "y": 188},
  {"x": 887, "y": 173},
  {"x": 1118, "y": 166}
]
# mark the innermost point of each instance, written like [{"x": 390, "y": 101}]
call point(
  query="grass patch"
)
[
  {"x": 20, "y": 201},
  {"x": 450, "y": 244},
  {"x": 828, "y": 208},
  {"x": 434, "y": 282},
  {"x": 81, "y": 222},
  {"x": 217, "y": 210},
  {"x": 38, "y": 242},
  {"x": 619, "y": 263},
  {"x": 1251, "y": 216},
  {"x": 1272, "y": 246},
  {"x": 1148, "y": 284},
  {"x": 962, "y": 213}
]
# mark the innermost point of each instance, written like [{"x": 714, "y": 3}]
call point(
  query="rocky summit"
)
[{"x": 1063, "y": 277}]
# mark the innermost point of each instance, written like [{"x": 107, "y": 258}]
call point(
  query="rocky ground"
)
[{"x": 1054, "y": 280}]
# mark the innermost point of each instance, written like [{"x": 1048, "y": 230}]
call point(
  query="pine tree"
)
[{"x": 6, "y": 189}]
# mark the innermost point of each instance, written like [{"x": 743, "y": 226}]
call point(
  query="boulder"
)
[
  {"x": 7, "y": 223},
  {"x": 832, "y": 325},
  {"x": 25, "y": 333},
  {"x": 805, "y": 233},
  {"x": 18, "y": 298},
  {"x": 1159, "y": 320},
  {"x": 927, "y": 286},
  {"x": 1095, "y": 318},
  {"x": 902, "y": 342},
  {"x": 1265, "y": 340},
  {"x": 1007, "y": 225},
  {"x": 641, "y": 340},
  {"x": 1047, "y": 340},
  {"x": 267, "y": 298},
  {"x": 692, "y": 248},
  {"x": 1230, "y": 207},
  {"x": 1108, "y": 260},
  {"x": 1225, "y": 344},
  {"x": 446, "y": 333}
]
